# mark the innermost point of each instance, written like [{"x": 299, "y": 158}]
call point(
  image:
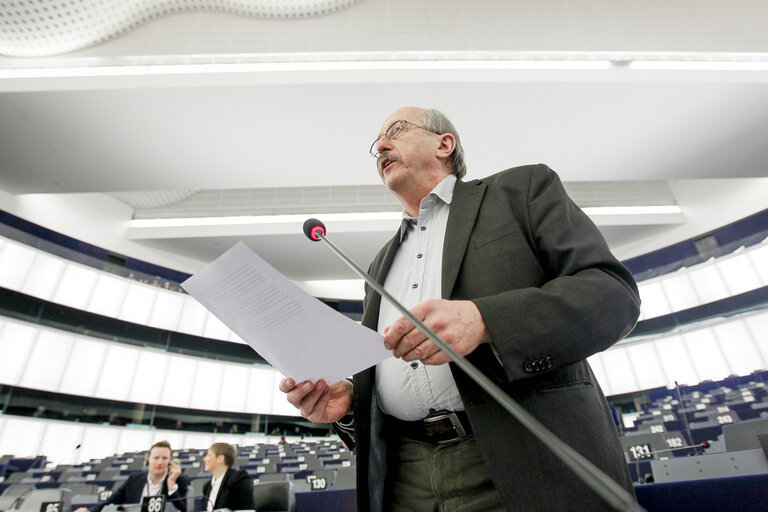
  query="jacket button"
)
[{"x": 527, "y": 367}]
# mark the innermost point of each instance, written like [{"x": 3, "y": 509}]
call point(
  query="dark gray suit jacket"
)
[{"x": 551, "y": 294}]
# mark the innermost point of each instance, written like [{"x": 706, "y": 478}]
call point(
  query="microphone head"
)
[{"x": 312, "y": 228}]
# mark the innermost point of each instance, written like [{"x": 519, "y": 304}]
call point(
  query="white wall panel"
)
[
  {"x": 195, "y": 440},
  {"x": 618, "y": 370},
  {"x": 193, "y": 317},
  {"x": 739, "y": 348},
  {"x": 596, "y": 363},
  {"x": 174, "y": 437},
  {"x": 646, "y": 365},
  {"x": 206, "y": 388},
  {"x": 21, "y": 436},
  {"x": 108, "y": 295},
  {"x": 740, "y": 276},
  {"x": 167, "y": 310},
  {"x": 43, "y": 276},
  {"x": 178, "y": 382},
  {"x": 134, "y": 440},
  {"x": 234, "y": 388},
  {"x": 705, "y": 354},
  {"x": 149, "y": 377},
  {"x": 758, "y": 329},
  {"x": 679, "y": 290},
  {"x": 654, "y": 300},
  {"x": 84, "y": 367},
  {"x": 98, "y": 442},
  {"x": 138, "y": 303},
  {"x": 15, "y": 262},
  {"x": 215, "y": 328},
  {"x": 46, "y": 363},
  {"x": 676, "y": 361},
  {"x": 708, "y": 282},
  {"x": 758, "y": 255},
  {"x": 76, "y": 286},
  {"x": 260, "y": 391},
  {"x": 280, "y": 405},
  {"x": 60, "y": 440},
  {"x": 117, "y": 374},
  {"x": 16, "y": 342}
]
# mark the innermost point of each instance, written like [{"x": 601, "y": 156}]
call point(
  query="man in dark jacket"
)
[
  {"x": 228, "y": 488},
  {"x": 161, "y": 479}
]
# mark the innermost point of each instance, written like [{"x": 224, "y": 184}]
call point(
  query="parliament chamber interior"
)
[{"x": 138, "y": 149}]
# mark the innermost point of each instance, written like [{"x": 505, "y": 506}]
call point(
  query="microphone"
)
[
  {"x": 593, "y": 477},
  {"x": 62, "y": 459},
  {"x": 314, "y": 229}
]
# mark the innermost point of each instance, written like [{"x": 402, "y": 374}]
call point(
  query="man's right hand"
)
[{"x": 319, "y": 403}]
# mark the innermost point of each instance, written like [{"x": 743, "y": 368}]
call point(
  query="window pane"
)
[
  {"x": 708, "y": 283},
  {"x": 654, "y": 302},
  {"x": 706, "y": 355},
  {"x": 16, "y": 342},
  {"x": 167, "y": 310},
  {"x": 47, "y": 360},
  {"x": 43, "y": 276},
  {"x": 619, "y": 371},
  {"x": 138, "y": 303},
  {"x": 117, "y": 372},
  {"x": 260, "y": 391},
  {"x": 680, "y": 291},
  {"x": 75, "y": 287},
  {"x": 759, "y": 258},
  {"x": 739, "y": 348},
  {"x": 178, "y": 382},
  {"x": 15, "y": 262},
  {"x": 675, "y": 360},
  {"x": 646, "y": 365},
  {"x": 234, "y": 388},
  {"x": 739, "y": 274},
  {"x": 207, "y": 385},
  {"x": 60, "y": 440},
  {"x": 193, "y": 317},
  {"x": 149, "y": 377},
  {"x": 108, "y": 295},
  {"x": 83, "y": 367}
]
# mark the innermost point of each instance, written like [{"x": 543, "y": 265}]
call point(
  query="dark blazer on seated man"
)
[
  {"x": 234, "y": 487},
  {"x": 132, "y": 489},
  {"x": 160, "y": 476}
]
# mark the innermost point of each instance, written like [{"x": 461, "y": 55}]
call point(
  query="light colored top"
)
[
  {"x": 152, "y": 489},
  {"x": 410, "y": 391},
  {"x": 215, "y": 485}
]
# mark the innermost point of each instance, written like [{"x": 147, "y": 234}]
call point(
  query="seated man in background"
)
[
  {"x": 228, "y": 488},
  {"x": 161, "y": 478}
]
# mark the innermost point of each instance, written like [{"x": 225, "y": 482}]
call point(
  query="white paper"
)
[{"x": 296, "y": 333}]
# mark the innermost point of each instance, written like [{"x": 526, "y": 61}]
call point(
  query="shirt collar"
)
[{"x": 443, "y": 191}]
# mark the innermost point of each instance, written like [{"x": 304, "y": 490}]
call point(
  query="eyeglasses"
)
[{"x": 393, "y": 132}]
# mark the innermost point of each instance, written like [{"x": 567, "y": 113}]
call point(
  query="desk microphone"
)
[{"x": 593, "y": 477}]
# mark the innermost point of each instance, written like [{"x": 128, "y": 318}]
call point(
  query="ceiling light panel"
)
[{"x": 31, "y": 28}]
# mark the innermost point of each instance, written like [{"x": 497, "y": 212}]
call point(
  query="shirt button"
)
[
  {"x": 419, "y": 255},
  {"x": 414, "y": 365},
  {"x": 414, "y": 285},
  {"x": 423, "y": 228}
]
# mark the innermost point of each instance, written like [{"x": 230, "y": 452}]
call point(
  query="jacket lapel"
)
[
  {"x": 465, "y": 204},
  {"x": 379, "y": 271}
]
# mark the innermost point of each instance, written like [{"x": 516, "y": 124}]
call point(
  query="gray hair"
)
[{"x": 437, "y": 122}]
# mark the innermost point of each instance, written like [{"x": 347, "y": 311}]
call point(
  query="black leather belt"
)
[{"x": 442, "y": 427}]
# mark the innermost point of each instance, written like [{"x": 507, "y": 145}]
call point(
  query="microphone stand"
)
[{"x": 595, "y": 479}]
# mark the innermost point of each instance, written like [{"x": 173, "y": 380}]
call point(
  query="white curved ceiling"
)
[{"x": 201, "y": 101}]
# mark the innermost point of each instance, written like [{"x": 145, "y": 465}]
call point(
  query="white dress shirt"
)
[
  {"x": 410, "y": 391},
  {"x": 215, "y": 485}
]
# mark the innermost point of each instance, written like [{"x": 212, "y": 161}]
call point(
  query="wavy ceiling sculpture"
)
[{"x": 37, "y": 28}]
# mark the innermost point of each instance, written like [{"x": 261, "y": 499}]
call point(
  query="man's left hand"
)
[{"x": 458, "y": 322}]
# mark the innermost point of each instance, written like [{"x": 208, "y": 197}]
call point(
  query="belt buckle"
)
[{"x": 458, "y": 428}]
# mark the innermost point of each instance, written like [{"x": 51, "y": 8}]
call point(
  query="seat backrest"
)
[
  {"x": 39, "y": 496},
  {"x": 345, "y": 479},
  {"x": 274, "y": 496}
]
